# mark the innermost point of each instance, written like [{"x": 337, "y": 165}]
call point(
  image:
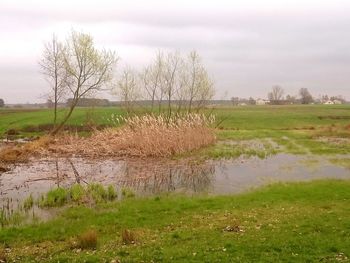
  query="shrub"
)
[
  {"x": 77, "y": 192},
  {"x": 88, "y": 239},
  {"x": 148, "y": 135},
  {"x": 97, "y": 192},
  {"x": 55, "y": 197},
  {"x": 127, "y": 193},
  {"x": 112, "y": 194}
]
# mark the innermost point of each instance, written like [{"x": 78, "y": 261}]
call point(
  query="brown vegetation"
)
[
  {"x": 145, "y": 136},
  {"x": 88, "y": 240},
  {"x": 21, "y": 152},
  {"x": 128, "y": 237}
]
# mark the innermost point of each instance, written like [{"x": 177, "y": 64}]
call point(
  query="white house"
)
[
  {"x": 329, "y": 102},
  {"x": 262, "y": 102},
  {"x": 337, "y": 102}
]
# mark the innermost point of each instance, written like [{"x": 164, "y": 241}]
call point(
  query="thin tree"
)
[
  {"x": 53, "y": 68},
  {"x": 87, "y": 69},
  {"x": 127, "y": 88},
  {"x": 276, "y": 94},
  {"x": 172, "y": 65},
  {"x": 201, "y": 88},
  {"x": 152, "y": 77}
]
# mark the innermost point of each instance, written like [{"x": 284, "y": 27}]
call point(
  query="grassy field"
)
[
  {"x": 243, "y": 118},
  {"x": 296, "y": 129},
  {"x": 300, "y": 222}
]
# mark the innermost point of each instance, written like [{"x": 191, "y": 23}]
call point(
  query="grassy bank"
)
[{"x": 304, "y": 222}]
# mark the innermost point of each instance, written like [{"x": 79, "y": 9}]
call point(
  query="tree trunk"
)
[{"x": 60, "y": 126}]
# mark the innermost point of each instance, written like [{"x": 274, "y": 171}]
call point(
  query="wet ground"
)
[{"x": 150, "y": 177}]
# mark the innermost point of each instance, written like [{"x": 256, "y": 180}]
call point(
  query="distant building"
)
[
  {"x": 329, "y": 102},
  {"x": 337, "y": 102},
  {"x": 262, "y": 102}
]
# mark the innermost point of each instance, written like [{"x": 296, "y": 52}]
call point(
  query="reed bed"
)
[{"x": 143, "y": 136}]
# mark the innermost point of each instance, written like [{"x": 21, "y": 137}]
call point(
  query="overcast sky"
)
[{"x": 247, "y": 46}]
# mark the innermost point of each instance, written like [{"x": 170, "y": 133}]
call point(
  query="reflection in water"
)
[
  {"x": 149, "y": 177},
  {"x": 155, "y": 178}
]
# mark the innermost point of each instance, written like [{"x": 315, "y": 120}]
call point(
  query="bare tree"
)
[
  {"x": 276, "y": 94},
  {"x": 305, "y": 96},
  {"x": 170, "y": 79},
  {"x": 152, "y": 79},
  {"x": 127, "y": 88},
  {"x": 172, "y": 66},
  {"x": 53, "y": 68},
  {"x": 87, "y": 69}
]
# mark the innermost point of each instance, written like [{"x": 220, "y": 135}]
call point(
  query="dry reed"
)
[{"x": 143, "y": 136}]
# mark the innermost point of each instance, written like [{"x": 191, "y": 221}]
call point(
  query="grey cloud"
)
[{"x": 246, "y": 51}]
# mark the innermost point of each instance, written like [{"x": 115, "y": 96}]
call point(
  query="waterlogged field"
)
[{"x": 181, "y": 208}]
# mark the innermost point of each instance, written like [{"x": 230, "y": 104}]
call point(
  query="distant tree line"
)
[
  {"x": 2, "y": 103},
  {"x": 276, "y": 97}
]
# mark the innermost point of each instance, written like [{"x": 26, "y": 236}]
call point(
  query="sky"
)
[{"x": 247, "y": 46}]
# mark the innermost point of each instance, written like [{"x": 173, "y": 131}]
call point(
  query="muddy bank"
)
[{"x": 151, "y": 177}]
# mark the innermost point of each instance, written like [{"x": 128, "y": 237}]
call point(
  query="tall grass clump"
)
[{"x": 146, "y": 136}]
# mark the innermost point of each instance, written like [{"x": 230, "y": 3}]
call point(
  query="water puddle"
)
[{"x": 150, "y": 177}]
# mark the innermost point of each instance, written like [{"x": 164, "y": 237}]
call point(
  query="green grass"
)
[
  {"x": 294, "y": 128},
  {"x": 242, "y": 118},
  {"x": 93, "y": 193},
  {"x": 298, "y": 222}
]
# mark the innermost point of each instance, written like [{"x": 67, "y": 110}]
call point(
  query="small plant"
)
[
  {"x": 97, "y": 192},
  {"x": 77, "y": 192},
  {"x": 128, "y": 237},
  {"x": 112, "y": 194},
  {"x": 127, "y": 193},
  {"x": 88, "y": 239},
  {"x": 28, "y": 203},
  {"x": 55, "y": 197}
]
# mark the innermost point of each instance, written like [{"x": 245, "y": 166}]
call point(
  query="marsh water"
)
[{"x": 152, "y": 177}]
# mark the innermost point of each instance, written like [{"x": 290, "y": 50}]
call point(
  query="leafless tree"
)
[
  {"x": 53, "y": 68},
  {"x": 152, "y": 79},
  {"x": 173, "y": 61},
  {"x": 87, "y": 69},
  {"x": 276, "y": 94},
  {"x": 172, "y": 80},
  {"x": 127, "y": 88}
]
